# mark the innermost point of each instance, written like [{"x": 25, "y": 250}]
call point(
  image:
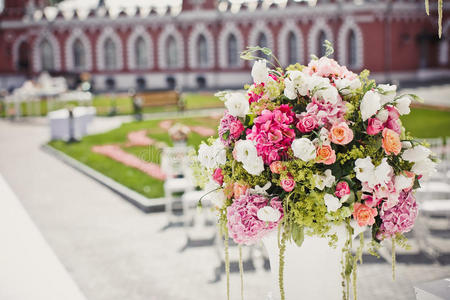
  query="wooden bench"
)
[{"x": 160, "y": 98}]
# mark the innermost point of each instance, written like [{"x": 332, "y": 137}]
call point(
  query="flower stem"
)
[
  {"x": 227, "y": 262},
  {"x": 241, "y": 272},
  {"x": 282, "y": 248},
  {"x": 393, "y": 258}
]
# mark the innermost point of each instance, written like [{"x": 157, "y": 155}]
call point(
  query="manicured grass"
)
[
  {"x": 128, "y": 176},
  {"x": 427, "y": 123}
]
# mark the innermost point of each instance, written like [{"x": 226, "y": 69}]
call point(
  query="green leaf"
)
[
  {"x": 329, "y": 50},
  {"x": 249, "y": 119},
  {"x": 416, "y": 98},
  {"x": 298, "y": 234}
]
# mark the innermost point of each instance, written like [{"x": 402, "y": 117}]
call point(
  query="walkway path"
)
[{"x": 113, "y": 251}]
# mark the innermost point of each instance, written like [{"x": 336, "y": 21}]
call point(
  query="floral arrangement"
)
[{"x": 309, "y": 147}]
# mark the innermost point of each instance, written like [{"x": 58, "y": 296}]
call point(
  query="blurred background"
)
[{"x": 102, "y": 102}]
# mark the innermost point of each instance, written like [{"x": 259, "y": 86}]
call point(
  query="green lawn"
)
[
  {"x": 128, "y": 176},
  {"x": 427, "y": 123}
]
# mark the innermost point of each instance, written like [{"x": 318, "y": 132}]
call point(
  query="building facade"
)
[{"x": 196, "y": 43}]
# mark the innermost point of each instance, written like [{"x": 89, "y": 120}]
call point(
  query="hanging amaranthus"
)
[{"x": 440, "y": 9}]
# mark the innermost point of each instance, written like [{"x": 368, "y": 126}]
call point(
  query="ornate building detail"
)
[
  {"x": 46, "y": 53},
  {"x": 225, "y": 46},
  {"x": 109, "y": 51},
  {"x": 140, "y": 49},
  {"x": 75, "y": 42},
  {"x": 351, "y": 45},
  {"x": 201, "y": 47},
  {"x": 170, "y": 48},
  {"x": 318, "y": 33},
  {"x": 290, "y": 43}
]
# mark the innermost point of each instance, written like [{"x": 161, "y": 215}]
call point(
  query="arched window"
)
[
  {"x": 321, "y": 41},
  {"x": 292, "y": 48},
  {"x": 262, "y": 42},
  {"x": 202, "y": 51},
  {"x": 47, "y": 56},
  {"x": 232, "y": 51},
  {"x": 23, "y": 62},
  {"x": 351, "y": 46},
  {"x": 140, "y": 53},
  {"x": 79, "y": 55},
  {"x": 110, "y": 54},
  {"x": 172, "y": 55}
]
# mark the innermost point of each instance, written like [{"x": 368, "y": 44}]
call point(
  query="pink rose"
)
[
  {"x": 307, "y": 124},
  {"x": 374, "y": 126},
  {"x": 342, "y": 189},
  {"x": 288, "y": 184},
  {"x": 341, "y": 134},
  {"x": 236, "y": 129},
  {"x": 325, "y": 154},
  {"x": 218, "y": 176},
  {"x": 364, "y": 214},
  {"x": 394, "y": 125},
  {"x": 370, "y": 200},
  {"x": 393, "y": 112}
]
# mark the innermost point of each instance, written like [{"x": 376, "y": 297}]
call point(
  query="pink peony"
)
[
  {"x": 374, "y": 126},
  {"x": 218, "y": 176},
  {"x": 342, "y": 189},
  {"x": 307, "y": 123},
  {"x": 287, "y": 184},
  {"x": 399, "y": 218},
  {"x": 243, "y": 224},
  {"x": 341, "y": 134},
  {"x": 364, "y": 214}
]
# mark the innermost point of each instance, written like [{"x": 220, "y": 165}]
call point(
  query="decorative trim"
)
[
  {"x": 15, "y": 49},
  {"x": 170, "y": 30},
  {"x": 108, "y": 32},
  {"x": 348, "y": 26},
  {"x": 77, "y": 33},
  {"x": 46, "y": 35},
  {"x": 283, "y": 42},
  {"x": 444, "y": 44},
  {"x": 139, "y": 31},
  {"x": 229, "y": 28},
  {"x": 319, "y": 25},
  {"x": 200, "y": 29},
  {"x": 258, "y": 28}
]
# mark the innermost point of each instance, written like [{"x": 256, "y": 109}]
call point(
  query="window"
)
[
  {"x": 23, "y": 61},
  {"x": 79, "y": 55},
  {"x": 140, "y": 53},
  {"x": 321, "y": 41},
  {"x": 232, "y": 52},
  {"x": 351, "y": 46},
  {"x": 262, "y": 42},
  {"x": 292, "y": 48},
  {"x": 202, "y": 51},
  {"x": 47, "y": 56},
  {"x": 172, "y": 56},
  {"x": 110, "y": 55}
]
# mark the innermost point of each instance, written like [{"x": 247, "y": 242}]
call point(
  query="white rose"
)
[
  {"x": 245, "y": 150},
  {"x": 425, "y": 167},
  {"x": 215, "y": 195},
  {"x": 332, "y": 203},
  {"x": 304, "y": 149},
  {"x": 254, "y": 166},
  {"x": 295, "y": 84},
  {"x": 206, "y": 157},
  {"x": 329, "y": 94},
  {"x": 219, "y": 152},
  {"x": 316, "y": 82},
  {"x": 345, "y": 85},
  {"x": 268, "y": 214},
  {"x": 289, "y": 89},
  {"x": 402, "y": 182},
  {"x": 383, "y": 115},
  {"x": 364, "y": 169},
  {"x": 326, "y": 180},
  {"x": 324, "y": 135},
  {"x": 237, "y": 104},
  {"x": 382, "y": 173},
  {"x": 389, "y": 92},
  {"x": 370, "y": 104},
  {"x": 416, "y": 154},
  {"x": 260, "y": 72},
  {"x": 402, "y": 105}
]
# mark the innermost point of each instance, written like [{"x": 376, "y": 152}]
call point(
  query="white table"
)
[{"x": 60, "y": 123}]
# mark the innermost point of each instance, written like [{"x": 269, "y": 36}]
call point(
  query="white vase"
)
[{"x": 312, "y": 271}]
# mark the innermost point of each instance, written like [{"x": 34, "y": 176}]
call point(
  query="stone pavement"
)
[{"x": 114, "y": 251}]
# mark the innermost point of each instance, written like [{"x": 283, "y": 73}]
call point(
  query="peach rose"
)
[
  {"x": 326, "y": 155},
  {"x": 391, "y": 142},
  {"x": 276, "y": 167},
  {"x": 364, "y": 214},
  {"x": 341, "y": 134},
  {"x": 239, "y": 190}
]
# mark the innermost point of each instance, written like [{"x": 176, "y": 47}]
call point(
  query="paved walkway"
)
[{"x": 114, "y": 251}]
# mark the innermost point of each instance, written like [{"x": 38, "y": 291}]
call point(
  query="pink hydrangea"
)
[
  {"x": 399, "y": 218},
  {"x": 327, "y": 114},
  {"x": 244, "y": 226},
  {"x": 230, "y": 129},
  {"x": 327, "y": 67},
  {"x": 273, "y": 134}
]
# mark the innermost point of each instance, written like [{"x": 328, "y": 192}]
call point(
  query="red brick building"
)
[{"x": 196, "y": 43}]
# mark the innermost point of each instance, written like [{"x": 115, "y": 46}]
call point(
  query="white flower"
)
[
  {"x": 425, "y": 167},
  {"x": 261, "y": 190},
  {"x": 215, "y": 195},
  {"x": 416, "y": 154},
  {"x": 328, "y": 94},
  {"x": 402, "y": 105},
  {"x": 406, "y": 145},
  {"x": 364, "y": 169},
  {"x": 383, "y": 115},
  {"x": 332, "y": 203},
  {"x": 346, "y": 85},
  {"x": 324, "y": 136},
  {"x": 254, "y": 166},
  {"x": 295, "y": 83},
  {"x": 316, "y": 82},
  {"x": 370, "y": 104},
  {"x": 304, "y": 149},
  {"x": 382, "y": 173},
  {"x": 219, "y": 152},
  {"x": 326, "y": 180},
  {"x": 388, "y": 94},
  {"x": 402, "y": 182},
  {"x": 260, "y": 72},
  {"x": 212, "y": 156},
  {"x": 237, "y": 104},
  {"x": 245, "y": 150},
  {"x": 289, "y": 89},
  {"x": 268, "y": 214}
]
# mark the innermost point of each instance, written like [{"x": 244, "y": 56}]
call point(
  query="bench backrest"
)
[{"x": 159, "y": 98}]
